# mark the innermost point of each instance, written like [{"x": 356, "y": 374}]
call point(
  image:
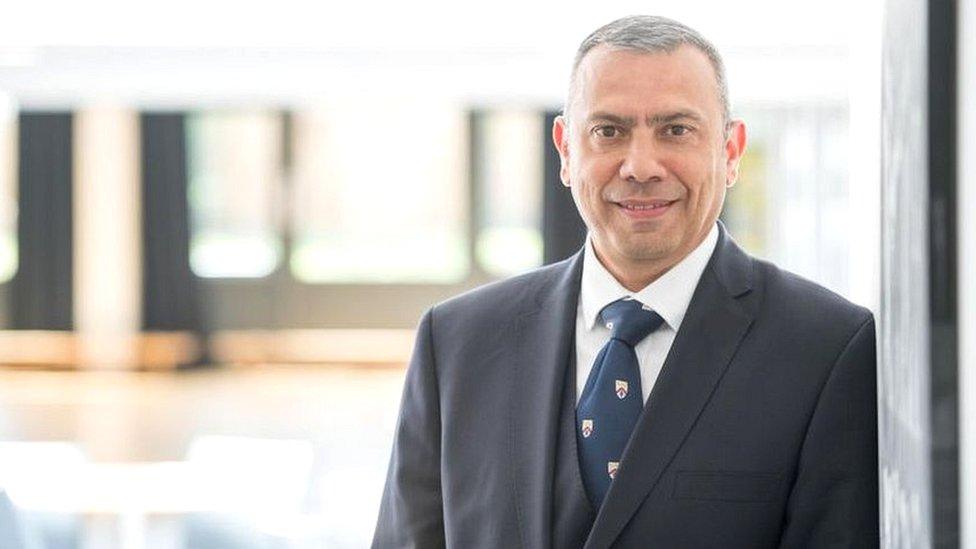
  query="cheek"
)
[
  {"x": 703, "y": 179},
  {"x": 595, "y": 174}
]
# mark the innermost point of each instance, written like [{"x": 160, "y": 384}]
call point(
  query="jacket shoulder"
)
[
  {"x": 503, "y": 298},
  {"x": 808, "y": 304}
]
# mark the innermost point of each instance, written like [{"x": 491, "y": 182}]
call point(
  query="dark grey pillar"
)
[
  {"x": 171, "y": 300},
  {"x": 563, "y": 230}
]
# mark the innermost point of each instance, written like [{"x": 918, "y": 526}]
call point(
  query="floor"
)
[{"x": 270, "y": 456}]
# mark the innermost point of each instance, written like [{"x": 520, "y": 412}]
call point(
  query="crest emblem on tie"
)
[
  {"x": 612, "y": 468},
  {"x": 621, "y": 389},
  {"x": 587, "y": 428}
]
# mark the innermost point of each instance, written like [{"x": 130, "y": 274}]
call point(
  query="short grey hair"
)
[{"x": 652, "y": 34}]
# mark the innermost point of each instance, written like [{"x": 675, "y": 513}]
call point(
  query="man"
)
[{"x": 661, "y": 388}]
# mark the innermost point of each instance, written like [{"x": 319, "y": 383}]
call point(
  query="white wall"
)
[{"x": 966, "y": 213}]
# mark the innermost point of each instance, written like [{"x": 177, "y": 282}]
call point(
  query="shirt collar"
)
[{"x": 669, "y": 295}]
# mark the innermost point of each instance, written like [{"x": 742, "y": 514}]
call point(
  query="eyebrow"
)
[
  {"x": 665, "y": 118},
  {"x": 653, "y": 120}
]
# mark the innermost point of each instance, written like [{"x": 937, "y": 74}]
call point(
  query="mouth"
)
[{"x": 645, "y": 209}]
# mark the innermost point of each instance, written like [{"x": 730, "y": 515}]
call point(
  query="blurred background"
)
[{"x": 219, "y": 225}]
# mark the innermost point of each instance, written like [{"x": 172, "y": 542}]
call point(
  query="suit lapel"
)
[
  {"x": 714, "y": 325},
  {"x": 544, "y": 339}
]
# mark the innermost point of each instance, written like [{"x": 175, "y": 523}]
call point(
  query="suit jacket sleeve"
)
[
  {"x": 834, "y": 499},
  {"x": 411, "y": 512}
]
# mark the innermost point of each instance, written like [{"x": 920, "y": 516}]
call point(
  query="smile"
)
[{"x": 645, "y": 209}]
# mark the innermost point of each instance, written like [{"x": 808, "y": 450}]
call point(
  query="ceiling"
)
[{"x": 195, "y": 53}]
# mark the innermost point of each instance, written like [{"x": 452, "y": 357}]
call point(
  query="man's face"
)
[{"x": 646, "y": 154}]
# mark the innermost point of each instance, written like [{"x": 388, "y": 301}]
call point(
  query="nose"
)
[{"x": 642, "y": 163}]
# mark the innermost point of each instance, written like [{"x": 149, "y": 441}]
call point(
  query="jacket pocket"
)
[{"x": 726, "y": 486}]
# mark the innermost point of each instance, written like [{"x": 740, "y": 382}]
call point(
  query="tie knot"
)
[{"x": 629, "y": 321}]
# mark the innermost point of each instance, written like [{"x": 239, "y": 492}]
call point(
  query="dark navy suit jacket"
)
[{"x": 761, "y": 430}]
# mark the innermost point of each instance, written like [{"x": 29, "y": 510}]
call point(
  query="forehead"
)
[{"x": 636, "y": 82}]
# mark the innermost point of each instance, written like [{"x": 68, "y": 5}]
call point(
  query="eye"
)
[
  {"x": 607, "y": 132},
  {"x": 678, "y": 130}
]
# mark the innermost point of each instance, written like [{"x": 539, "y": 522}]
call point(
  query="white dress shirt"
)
[{"x": 669, "y": 296}]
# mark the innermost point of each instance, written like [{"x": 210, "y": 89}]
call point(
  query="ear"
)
[
  {"x": 735, "y": 145},
  {"x": 560, "y": 138}
]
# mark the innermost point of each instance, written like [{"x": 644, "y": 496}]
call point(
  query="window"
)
[
  {"x": 793, "y": 203},
  {"x": 235, "y": 171},
  {"x": 8, "y": 191},
  {"x": 509, "y": 205},
  {"x": 380, "y": 193}
]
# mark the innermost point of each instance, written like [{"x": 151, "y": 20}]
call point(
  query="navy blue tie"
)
[{"x": 611, "y": 401}]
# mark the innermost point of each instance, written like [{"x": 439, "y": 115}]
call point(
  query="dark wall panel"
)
[
  {"x": 41, "y": 291},
  {"x": 170, "y": 294}
]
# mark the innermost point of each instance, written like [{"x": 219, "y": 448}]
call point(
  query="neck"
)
[{"x": 635, "y": 275}]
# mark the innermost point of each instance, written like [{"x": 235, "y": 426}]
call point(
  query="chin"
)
[{"x": 649, "y": 250}]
